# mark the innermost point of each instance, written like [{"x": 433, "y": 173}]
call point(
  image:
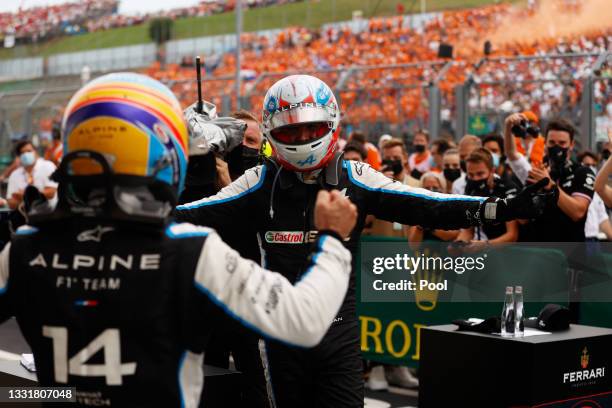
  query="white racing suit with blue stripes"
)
[
  {"x": 123, "y": 314},
  {"x": 276, "y": 206}
]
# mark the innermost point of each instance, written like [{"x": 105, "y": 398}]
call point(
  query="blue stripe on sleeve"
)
[
  {"x": 409, "y": 193},
  {"x": 200, "y": 203}
]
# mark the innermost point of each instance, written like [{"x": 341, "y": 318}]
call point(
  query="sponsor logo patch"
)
[{"x": 284, "y": 237}]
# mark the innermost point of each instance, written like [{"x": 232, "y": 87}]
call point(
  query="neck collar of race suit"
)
[{"x": 328, "y": 176}]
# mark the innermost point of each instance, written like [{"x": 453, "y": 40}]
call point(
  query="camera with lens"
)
[{"x": 526, "y": 128}]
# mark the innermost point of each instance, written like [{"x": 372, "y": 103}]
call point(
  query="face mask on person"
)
[
  {"x": 432, "y": 161},
  {"x": 605, "y": 154},
  {"x": 495, "y": 159},
  {"x": 392, "y": 165},
  {"x": 27, "y": 158},
  {"x": 557, "y": 156},
  {"x": 452, "y": 174},
  {"x": 476, "y": 187},
  {"x": 419, "y": 148},
  {"x": 242, "y": 158}
]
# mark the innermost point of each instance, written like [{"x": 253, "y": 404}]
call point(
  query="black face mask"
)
[
  {"x": 392, "y": 165},
  {"x": 419, "y": 148},
  {"x": 463, "y": 166},
  {"x": 452, "y": 174},
  {"x": 241, "y": 159},
  {"x": 557, "y": 156},
  {"x": 605, "y": 155},
  {"x": 476, "y": 187}
]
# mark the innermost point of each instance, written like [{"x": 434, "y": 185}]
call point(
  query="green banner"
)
[
  {"x": 478, "y": 125},
  {"x": 391, "y": 330}
]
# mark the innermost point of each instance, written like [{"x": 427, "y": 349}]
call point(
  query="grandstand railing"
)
[
  {"x": 109, "y": 59},
  {"x": 22, "y": 68},
  {"x": 369, "y": 99},
  {"x": 582, "y": 114}
]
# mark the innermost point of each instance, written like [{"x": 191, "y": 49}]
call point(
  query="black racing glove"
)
[{"x": 529, "y": 203}]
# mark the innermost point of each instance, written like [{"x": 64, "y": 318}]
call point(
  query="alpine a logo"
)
[{"x": 284, "y": 237}]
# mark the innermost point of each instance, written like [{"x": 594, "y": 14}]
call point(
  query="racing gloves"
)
[
  {"x": 209, "y": 132},
  {"x": 528, "y": 204}
]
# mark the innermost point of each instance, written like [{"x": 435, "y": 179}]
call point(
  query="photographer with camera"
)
[
  {"x": 572, "y": 183},
  {"x": 528, "y": 142}
]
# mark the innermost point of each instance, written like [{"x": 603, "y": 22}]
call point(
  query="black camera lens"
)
[
  {"x": 533, "y": 130},
  {"x": 520, "y": 130}
]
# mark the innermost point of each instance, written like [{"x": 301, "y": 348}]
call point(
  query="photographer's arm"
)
[
  {"x": 574, "y": 207},
  {"x": 509, "y": 141}
]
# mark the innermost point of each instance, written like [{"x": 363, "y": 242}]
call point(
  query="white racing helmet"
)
[{"x": 296, "y": 101}]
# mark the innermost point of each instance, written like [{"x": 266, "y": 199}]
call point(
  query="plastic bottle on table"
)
[
  {"x": 507, "y": 317},
  {"x": 519, "y": 315}
]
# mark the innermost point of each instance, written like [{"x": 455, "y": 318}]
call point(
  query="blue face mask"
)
[
  {"x": 27, "y": 158},
  {"x": 495, "y": 159}
]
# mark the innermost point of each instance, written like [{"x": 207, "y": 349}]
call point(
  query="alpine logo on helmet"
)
[{"x": 301, "y": 120}]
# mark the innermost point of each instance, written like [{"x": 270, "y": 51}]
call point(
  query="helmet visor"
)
[
  {"x": 301, "y": 133},
  {"x": 301, "y": 114}
]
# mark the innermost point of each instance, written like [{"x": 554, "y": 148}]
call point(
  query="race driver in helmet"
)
[
  {"x": 116, "y": 299},
  {"x": 276, "y": 200}
]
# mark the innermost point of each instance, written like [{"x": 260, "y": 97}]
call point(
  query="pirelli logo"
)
[{"x": 284, "y": 237}]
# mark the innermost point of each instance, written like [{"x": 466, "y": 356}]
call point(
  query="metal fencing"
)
[
  {"x": 450, "y": 97},
  {"x": 557, "y": 85},
  {"x": 22, "y": 68},
  {"x": 109, "y": 59}
]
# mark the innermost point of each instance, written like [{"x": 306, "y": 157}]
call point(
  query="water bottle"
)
[
  {"x": 519, "y": 319},
  {"x": 507, "y": 317}
]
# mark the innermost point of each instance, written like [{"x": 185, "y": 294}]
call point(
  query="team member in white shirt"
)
[{"x": 34, "y": 171}]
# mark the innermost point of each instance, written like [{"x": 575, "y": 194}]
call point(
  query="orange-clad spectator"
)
[
  {"x": 373, "y": 156},
  {"x": 531, "y": 145}
]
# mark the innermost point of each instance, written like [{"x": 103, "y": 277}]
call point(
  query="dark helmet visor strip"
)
[{"x": 293, "y": 134}]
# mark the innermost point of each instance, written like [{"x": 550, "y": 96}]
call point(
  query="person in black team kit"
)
[
  {"x": 483, "y": 181},
  {"x": 572, "y": 184},
  {"x": 117, "y": 300},
  {"x": 275, "y": 201}
]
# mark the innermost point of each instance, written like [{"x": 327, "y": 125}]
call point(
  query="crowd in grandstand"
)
[
  {"x": 37, "y": 24},
  {"x": 41, "y": 23},
  {"x": 548, "y": 86}
]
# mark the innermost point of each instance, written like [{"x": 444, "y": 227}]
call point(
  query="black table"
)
[{"x": 464, "y": 369}]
